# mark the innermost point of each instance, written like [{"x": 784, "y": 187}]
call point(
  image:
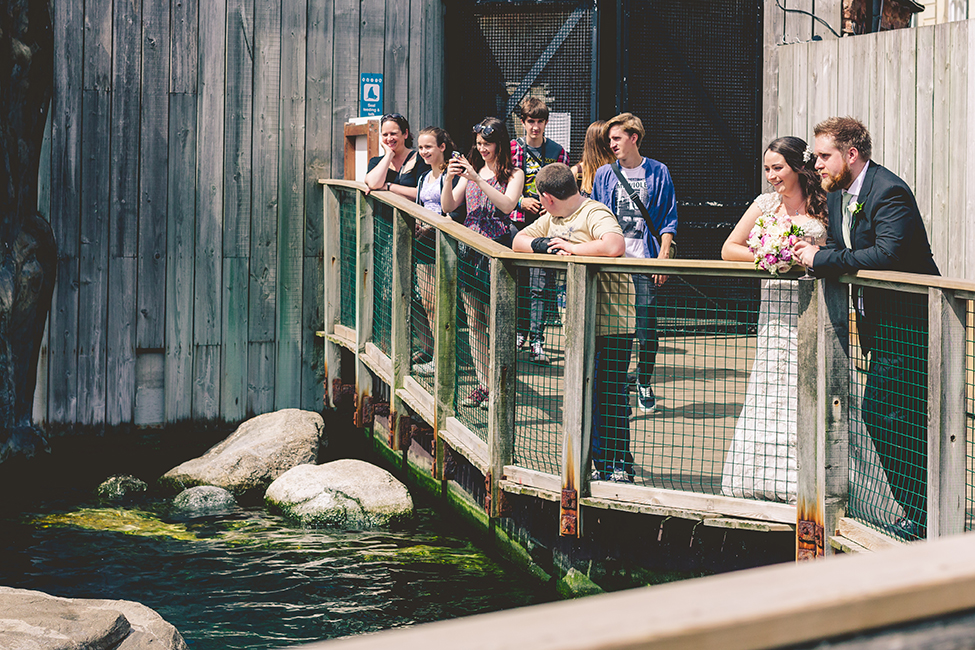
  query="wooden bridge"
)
[{"x": 533, "y": 439}]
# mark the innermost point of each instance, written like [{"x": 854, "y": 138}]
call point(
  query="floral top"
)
[{"x": 482, "y": 217}]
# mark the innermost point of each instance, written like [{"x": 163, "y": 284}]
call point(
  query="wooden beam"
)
[
  {"x": 502, "y": 325},
  {"x": 947, "y": 430}
]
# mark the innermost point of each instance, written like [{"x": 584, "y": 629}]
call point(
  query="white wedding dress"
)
[{"x": 761, "y": 462}]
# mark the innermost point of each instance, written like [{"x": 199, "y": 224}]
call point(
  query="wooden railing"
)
[{"x": 824, "y": 400}]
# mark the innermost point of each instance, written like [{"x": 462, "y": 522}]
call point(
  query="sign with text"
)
[{"x": 370, "y": 94}]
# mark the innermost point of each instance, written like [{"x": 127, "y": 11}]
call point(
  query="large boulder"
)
[
  {"x": 204, "y": 501},
  {"x": 341, "y": 494},
  {"x": 33, "y": 620},
  {"x": 259, "y": 451}
]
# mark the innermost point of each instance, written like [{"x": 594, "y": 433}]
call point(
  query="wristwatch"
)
[{"x": 387, "y": 186}]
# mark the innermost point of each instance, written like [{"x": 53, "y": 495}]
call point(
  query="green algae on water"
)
[{"x": 128, "y": 522}]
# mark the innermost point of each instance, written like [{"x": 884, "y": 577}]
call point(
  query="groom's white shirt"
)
[{"x": 854, "y": 192}]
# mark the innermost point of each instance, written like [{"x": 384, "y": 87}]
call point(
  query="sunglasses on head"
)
[
  {"x": 484, "y": 130},
  {"x": 392, "y": 116}
]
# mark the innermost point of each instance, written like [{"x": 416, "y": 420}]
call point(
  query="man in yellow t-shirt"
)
[{"x": 575, "y": 225}]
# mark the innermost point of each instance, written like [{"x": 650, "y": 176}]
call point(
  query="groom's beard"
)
[{"x": 839, "y": 181}]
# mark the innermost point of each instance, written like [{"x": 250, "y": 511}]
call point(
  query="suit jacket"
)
[{"x": 887, "y": 234}]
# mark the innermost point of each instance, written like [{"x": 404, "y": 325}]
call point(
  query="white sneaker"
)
[
  {"x": 521, "y": 341},
  {"x": 423, "y": 369},
  {"x": 646, "y": 402},
  {"x": 538, "y": 353}
]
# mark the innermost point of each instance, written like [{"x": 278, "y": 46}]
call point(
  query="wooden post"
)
[
  {"x": 332, "y": 284},
  {"x": 579, "y": 323},
  {"x": 501, "y": 376},
  {"x": 822, "y": 426},
  {"x": 400, "y": 310},
  {"x": 947, "y": 433},
  {"x": 833, "y": 410},
  {"x": 364, "y": 274},
  {"x": 444, "y": 344}
]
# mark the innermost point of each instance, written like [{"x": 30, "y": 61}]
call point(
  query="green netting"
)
[
  {"x": 969, "y": 411},
  {"x": 888, "y": 412},
  {"x": 473, "y": 341},
  {"x": 711, "y": 387},
  {"x": 540, "y": 370},
  {"x": 348, "y": 253},
  {"x": 382, "y": 285},
  {"x": 423, "y": 308}
]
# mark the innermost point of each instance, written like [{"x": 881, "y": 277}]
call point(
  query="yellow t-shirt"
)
[{"x": 615, "y": 296}]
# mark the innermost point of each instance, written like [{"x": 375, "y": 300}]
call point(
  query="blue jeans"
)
[
  {"x": 541, "y": 292},
  {"x": 646, "y": 326}
]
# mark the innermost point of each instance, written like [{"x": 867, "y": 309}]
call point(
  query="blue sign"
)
[{"x": 370, "y": 94}]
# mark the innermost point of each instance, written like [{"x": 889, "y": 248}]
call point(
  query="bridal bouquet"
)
[{"x": 771, "y": 241}]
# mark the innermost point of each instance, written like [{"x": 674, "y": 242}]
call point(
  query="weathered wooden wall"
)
[
  {"x": 915, "y": 91},
  {"x": 186, "y": 142}
]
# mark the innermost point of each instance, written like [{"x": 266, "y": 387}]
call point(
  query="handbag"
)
[{"x": 635, "y": 197}]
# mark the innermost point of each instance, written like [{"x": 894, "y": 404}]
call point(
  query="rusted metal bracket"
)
[
  {"x": 810, "y": 540},
  {"x": 569, "y": 513}
]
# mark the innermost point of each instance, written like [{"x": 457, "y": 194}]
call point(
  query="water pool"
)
[{"x": 252, "y": 580}]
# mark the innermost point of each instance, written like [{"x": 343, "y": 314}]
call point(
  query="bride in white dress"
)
[{"x": 761, "y": 462}]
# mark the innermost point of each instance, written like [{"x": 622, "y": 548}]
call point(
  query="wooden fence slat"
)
[
  {"x": 120, "y": 379},
  {"x": 153, "y": 177},
  {"x": 924, "y": 127},
  {"x": 787, "y": 79},
  {"x": 233, "y": 384},
  {"x": 907, "y": 108},
  {"x": 264, "y": 216},
  {"x": 345, "y": 75},
  {"x": 289, "y": 331},
  {"x": 890, "y": 140},
  {"x": 260, "y": 377},
  {"x": 239, "y": 97},
  {"x": 801, "y": 90},
  {"x": 940, "y": 145},
  {"x": 210, "y": 177},
  {"x": 773, "y": 28},
  {"x": 967, "y": 268},
  {"x": 184, "y": 45},
  {"x": 798, "y": 26},
  {"x": 66, "y": 114},
  {"x": 823, "y": 84},
  {"x": 179, "y": 258},
  {"x": 433, "y": 29},
  {"x": 415, "y": 106},
  {"x": 372, "y": 34},
  {"x": 396, "y": 90},
  {"x": 875, "y": 88},
  {"x": 206, "y": 382},
  {"x": 331, "y": 289},
  {"x": 958, "y": 147},
  {"x": 93, "y": 257},
  {"x": 126, "y": 84}
]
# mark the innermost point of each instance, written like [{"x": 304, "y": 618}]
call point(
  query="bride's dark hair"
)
[{"x": 793, "y": 149}]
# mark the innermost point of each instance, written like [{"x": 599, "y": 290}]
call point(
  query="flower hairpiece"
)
[{"x": 808, "y": 154}]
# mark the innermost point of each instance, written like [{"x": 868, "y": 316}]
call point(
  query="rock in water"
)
[
  {"x": 33, "y": 619},
  {"x": 341, "y": 494},
  {"x": 259, "y": 451},
  {"x": 122, "y": 488},
  {"x": 204, "y": 500}
]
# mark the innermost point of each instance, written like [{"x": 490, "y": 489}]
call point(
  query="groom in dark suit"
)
[{"x": 874, "y": 223}]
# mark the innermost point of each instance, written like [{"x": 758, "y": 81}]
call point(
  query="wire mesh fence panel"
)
[
  {"x": 348, "y": 254},
  {"x": 539, "y": 49},
  {"x": 423, "y": 303},
  {"x": 708, "y": 383},
  {"x": 383, "y": 278},
  {"x": 970, "y": 413},
  {"x": 540, "y": 369},
  {"x": 888, "y": 413},
  {"x": 473, "y": 340}
]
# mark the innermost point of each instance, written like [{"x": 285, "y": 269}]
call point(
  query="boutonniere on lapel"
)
[{"x": 855, "y": 209}]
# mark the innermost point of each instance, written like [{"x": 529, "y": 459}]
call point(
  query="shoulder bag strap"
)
[{"x": 635, "y": 197}]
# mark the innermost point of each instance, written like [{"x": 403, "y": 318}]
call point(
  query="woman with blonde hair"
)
[{"x": 595, "y": 154}]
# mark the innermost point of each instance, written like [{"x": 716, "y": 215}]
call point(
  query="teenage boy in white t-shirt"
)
[{"x": 651, "y": 181}]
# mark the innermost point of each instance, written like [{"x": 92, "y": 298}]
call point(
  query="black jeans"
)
[{"x": 611, "y": 406}]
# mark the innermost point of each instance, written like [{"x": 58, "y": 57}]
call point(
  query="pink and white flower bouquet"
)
[{"x": 771, "y": 240}]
